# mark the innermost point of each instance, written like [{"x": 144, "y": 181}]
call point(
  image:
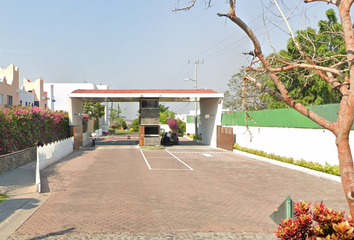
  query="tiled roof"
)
[{"x": 142, "y": 91}]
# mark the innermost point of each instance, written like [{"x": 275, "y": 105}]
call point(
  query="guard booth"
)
[{"x": 149, "y": 130}]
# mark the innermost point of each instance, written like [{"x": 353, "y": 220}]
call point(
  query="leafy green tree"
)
[
  {"x": 313, "y": 75},
  {"x": 135, "y": 125},
  {"x": 115, "y": 117},
  {"x": 181, "y": 127},
  {"x": 95, "y": 110},
  {"x": 165, "y": 114},
  {"x": 326, "y": 48},
  {"x": 233, "y": 99}
]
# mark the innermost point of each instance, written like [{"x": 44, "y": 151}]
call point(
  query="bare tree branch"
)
[
  {"x": 335, "y": 2},
  {"x": 185, "y": 8},
  {"x": 304, "y": 66}
]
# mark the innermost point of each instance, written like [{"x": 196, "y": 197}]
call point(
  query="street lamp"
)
[{"x": 195, "y": 114}]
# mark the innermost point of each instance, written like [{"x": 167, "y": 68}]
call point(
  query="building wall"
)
[
  {"x": 37, "y": 89},
  {"x": 210, "y": 117},
  {"x": 49, "y": 90},
  {"x": 316, "y": 145},
  {"x": 26, "y": 98},
  {"x": 61, "y": 91},
  {"x": 9, "y": 86}
]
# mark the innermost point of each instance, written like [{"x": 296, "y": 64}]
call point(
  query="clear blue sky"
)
[{"x": 135, "y": 44}]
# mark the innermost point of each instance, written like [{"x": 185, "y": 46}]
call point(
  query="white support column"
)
[
  {"x": 210, "y": 117},
  {"x": 75, "y": 111}
]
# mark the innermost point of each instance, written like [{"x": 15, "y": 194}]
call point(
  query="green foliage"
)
[
  {"x": 135, "y": 125},
  {"x": 334, "y": 170},
  {"x": 181, "y": 127},
  {"x": 165, "y": 114},
  {"x": 94, "y": 110},
  {"x": 85, "y": 120},
  {"x": 325, "y": 47},
  {"x": 322, "y": 223},
  {"x": 124, "y": 124},
  {"x": 233, "y": 97},
  {"x": 115, "y": 117},
  {"x": 21, "y": 127},
  {"x": 3, "y": 197},
  {"x": 199, "y": 137}
]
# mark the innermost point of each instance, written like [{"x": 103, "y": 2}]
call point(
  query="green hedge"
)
[{"x": 333, "y": 170}]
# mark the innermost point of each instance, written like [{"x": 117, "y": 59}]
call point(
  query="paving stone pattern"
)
[{"x": 111, "y": 194}]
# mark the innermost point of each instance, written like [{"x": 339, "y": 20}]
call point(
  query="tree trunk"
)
[
  {"x": 341, "y": 128},
  {"x": 346, "y": 169}
]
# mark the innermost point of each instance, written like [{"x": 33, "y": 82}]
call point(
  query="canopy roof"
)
[{"x": 165, "y": 95}]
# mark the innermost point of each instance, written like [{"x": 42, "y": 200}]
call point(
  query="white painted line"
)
[
  {"x": 179, "y": 160},
  {"x": 204, "y": 152},
  {"x": 207, "y": 155},
  {"x": 145, "y": 159},
  {"x": 160, "y": 169}
]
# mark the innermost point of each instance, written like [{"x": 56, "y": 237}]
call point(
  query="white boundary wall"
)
[
  {"x": 50, "y": 154},
  {"x": 316, "y": 145}
]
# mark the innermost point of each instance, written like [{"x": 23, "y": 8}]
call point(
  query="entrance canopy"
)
[
  {"x": 167, "y": 95},
  {"x": 209, "y": 100}
]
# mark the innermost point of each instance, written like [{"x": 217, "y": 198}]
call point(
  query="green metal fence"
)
[
  {"x": 191, "y": 119},
  {"x": 286, "y": 117}
]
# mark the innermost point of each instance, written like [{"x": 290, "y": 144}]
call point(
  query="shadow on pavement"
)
[
  {"x": 9, "y": 206},
  {"x": 69, "y": 230}
]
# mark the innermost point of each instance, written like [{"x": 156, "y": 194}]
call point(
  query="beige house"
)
[
  {"x": 9, "y": 86},
  {"x": 31, "y": 93},
  {"x": 37, "y": 90}
]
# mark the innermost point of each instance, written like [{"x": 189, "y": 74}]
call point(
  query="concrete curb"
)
[
  {"x": 291, "y": 166},
  {"x": 18, "y": 217}
]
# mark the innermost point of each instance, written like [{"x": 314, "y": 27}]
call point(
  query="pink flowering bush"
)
[
  {"x": 321, "y": 224},
  {"x": 172, "y": 123},
  {"x": 85, "y": 120},
  {"x": 21, "y": 127}
]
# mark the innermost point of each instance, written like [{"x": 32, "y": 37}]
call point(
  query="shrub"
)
[
  {"x": 135, "y": 125},
  {"x": 21, "y": 127},
  {"x": 334, "y": 170},
  {"x": 172, "y": 123},
  {"x": 199, "y": 137},
  {"x": 85, "y": 120},
  {"x": 321, "y": 224},
  {"x": 113, "y": 126},
  {"x": 181, "y": 127}
]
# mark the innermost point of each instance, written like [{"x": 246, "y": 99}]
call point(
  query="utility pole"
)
[
  {"x": 195, "y": 86},
  {"x": 118, "y": 109}
]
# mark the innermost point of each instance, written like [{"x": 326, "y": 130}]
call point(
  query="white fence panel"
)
[
  {"x": 50, "y": 154},
  {"x": 316, "y": 145}
]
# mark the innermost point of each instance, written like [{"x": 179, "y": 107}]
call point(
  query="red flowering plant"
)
[
  {"x": 172, "y": 123},
  {"x": 321, "y": 224},
  {"x": 21, "y": 127},
  {"x": 85, "y": 119}
]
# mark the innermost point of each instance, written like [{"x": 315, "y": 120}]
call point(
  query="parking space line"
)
[
  {"x": 159, "y": 169},
  {"x": 179, "y": 160},
  {"x": 204, "y": 152},
  {"x": 145, "y": 159}
]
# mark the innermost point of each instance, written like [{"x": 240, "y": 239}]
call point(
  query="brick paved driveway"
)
[{"x": 108, "y": 190}]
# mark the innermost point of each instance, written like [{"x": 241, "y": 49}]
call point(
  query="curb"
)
[{"x": 291, "y": 166}]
